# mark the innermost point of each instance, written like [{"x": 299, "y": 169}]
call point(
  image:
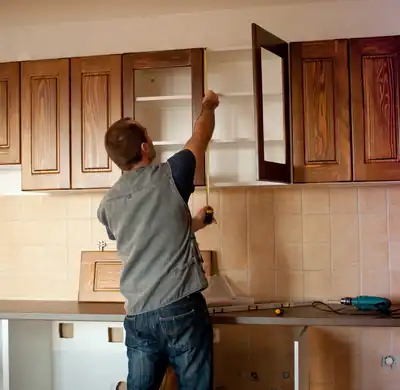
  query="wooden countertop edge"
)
[{"x": 114, "y": 312}]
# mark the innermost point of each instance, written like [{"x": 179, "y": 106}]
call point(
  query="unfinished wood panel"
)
[
  {"x": 191, "y": 58},
  {"x": 45, "y": 120},
  {"x": 96, "y": 103},
  {"x": 9, "y": 114},
  {"x": 100, "y": 275},
  {"x": 320, "y": 112},
  {"x": 375, "y": 108}
]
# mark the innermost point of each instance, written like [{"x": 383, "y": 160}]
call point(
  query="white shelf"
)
[
  {"x": 222, "y": 95},
  {"x": 162, "y": 98},
  {"x": 216, "y": 142},
  {"x": 164, "y": 106}
]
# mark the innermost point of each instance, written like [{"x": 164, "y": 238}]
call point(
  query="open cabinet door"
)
[{"x": 271, "y": 105}]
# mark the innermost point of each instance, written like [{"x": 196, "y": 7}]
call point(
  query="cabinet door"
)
[
  {"x": 320, "y": 111},
  {"x": 95, "y": 105},
  {"x": 9, "y": 114},
  {"x": 45, "y": 119},
  {"x": 374, "y": 75},
  {"x": 271, "y": 83},
  {"x": 164, "y": 90}
]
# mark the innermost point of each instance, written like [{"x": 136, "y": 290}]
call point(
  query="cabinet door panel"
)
[
  {"x": 9, "y": 114},
  {"x": 45, "y": 124},
  {"x": 95, "y": 105},
  {"x": 165, "y": 61},
  {"x": 320, "y": 111},
  {"x": 267, "y": 48},
  {"x": 375, "y": 108}
]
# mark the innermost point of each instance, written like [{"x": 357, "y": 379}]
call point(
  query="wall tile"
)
[
  {"x": 316, "y": 228},
  {"x": 375, "y": 282},
  {"x": 394, "y": 224},
  {"x": 373, "y": 227},
  {"x": 234, "y": 225},
  {"x": 344, "y": 200},
  {"x": 315, "y": 201},
  {"x": 287, "y": 201},
  {"x": 317, "y": 256},
  {"x": 344, "y": 228},
  {"x": 317, "y": 285},
  {"x": 374, "y": 255},
  {"x": 344, "y": 253},
  {"x": 290, "y": 285},
  {"x": 289, "y": 256},
  {"x": 288, "y": 229},
  {"x": 273, "y": 244},
  {"x": 372, "y": 200}
]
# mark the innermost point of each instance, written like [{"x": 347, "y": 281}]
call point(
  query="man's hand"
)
[
  {"x": 210, "y": 100},
  {"x": 198, "y": 220}
]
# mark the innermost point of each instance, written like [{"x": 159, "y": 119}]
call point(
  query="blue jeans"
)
[{"x": 179, "y": 334}]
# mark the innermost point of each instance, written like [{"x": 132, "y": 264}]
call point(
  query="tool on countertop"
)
[
  {"x": 368, "y": 303},
  {"x": 209, "y": 216}
]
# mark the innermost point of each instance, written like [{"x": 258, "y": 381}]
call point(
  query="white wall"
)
[{"x": 215, "y": 29}]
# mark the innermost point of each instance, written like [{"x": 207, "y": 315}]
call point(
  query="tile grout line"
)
[
  {"x": 303, "y": 276},
  {"x": 248, "y": 242},
  {"x": 359, "y": 242},
  {"x": 388, "y": 239}
]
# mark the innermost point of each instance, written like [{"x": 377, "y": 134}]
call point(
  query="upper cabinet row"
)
[{"x": 302, "y": 112}]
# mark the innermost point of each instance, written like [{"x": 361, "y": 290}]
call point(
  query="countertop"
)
[{"x": 114, "y": 312}]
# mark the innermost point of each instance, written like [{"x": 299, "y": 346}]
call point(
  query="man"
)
[{"x": 146, "y": 212}]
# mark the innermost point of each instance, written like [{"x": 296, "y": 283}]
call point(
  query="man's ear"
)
[{"x": 145, "y": 147}]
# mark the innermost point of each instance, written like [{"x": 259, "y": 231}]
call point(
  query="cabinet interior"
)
[{"x": 163, "y": 106}]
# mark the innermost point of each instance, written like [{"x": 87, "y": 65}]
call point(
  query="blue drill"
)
[{"x": 368, "y": 303}]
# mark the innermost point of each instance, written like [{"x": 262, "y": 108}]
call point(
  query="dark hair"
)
[{"x": 123, "y": 142}]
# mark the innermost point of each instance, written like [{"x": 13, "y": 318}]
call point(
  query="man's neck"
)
[{"x": 141, "y": 164}]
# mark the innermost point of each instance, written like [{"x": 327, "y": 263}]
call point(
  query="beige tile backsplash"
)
[{"x": 285, "y": 243}]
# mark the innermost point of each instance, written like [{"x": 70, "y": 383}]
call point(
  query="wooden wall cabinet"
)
[
  {"x": 96, "y": 102},
  {"x": 374, "y": 76},
  {"x": 320, "y": 111},
  {"x": 45, "y": 120},
  {"x": 164, "y": 91},
  {"x": 60, "y": 151},
  {"x": 345, "y": 110},
  {"x": 9, "y": 114}
]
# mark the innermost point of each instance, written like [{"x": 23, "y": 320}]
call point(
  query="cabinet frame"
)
[
  {"x": 383, "y": 102},
  {"x": 262, "y": 39},
  {"x": 193, "y": 58},
  {"x": 109, "y": 68},
  {"x": 44, "y": 74},
  {"x": 327, "y": 116},
  {"x": 10, "y": 151}
]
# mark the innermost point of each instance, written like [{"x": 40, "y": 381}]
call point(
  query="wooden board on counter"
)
[{"x": 100, "y": 275}]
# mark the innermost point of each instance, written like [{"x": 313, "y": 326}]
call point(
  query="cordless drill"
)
[{"x": 368, "y": 303}]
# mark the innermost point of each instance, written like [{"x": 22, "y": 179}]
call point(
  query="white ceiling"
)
[{"x": 32, "y": 12}]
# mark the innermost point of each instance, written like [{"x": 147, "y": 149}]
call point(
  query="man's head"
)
[{"x": 128, "y": 144}]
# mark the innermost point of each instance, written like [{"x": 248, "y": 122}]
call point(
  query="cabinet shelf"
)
[
  {"x": 219, "y": 142},
  {"x": 163, "y": 98}
]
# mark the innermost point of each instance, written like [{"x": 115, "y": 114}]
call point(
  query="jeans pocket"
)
[{"x": 138, "y": 332}]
